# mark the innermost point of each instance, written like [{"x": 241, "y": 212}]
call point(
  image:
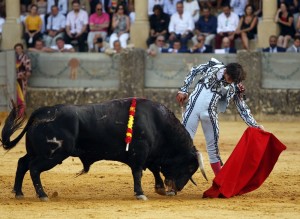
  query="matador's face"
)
[{"x": 227, "y": 77}]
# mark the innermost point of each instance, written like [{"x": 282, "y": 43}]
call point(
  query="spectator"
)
[
  {"x": 99, "y": 23},
  {"x": 227, "y": 24},
  {"x": 152, "y": 3},
  {"x": 207, "y": 3},
  {"x": 273, "y": 48},
  {"x": 177, "y": 48},
  {"x": 120, "y": 26},
  {"x": 170, "y": 6},
  {"x": 100, "y": 45},
  {"x": 105, "y": 5},
  {"x": 247, "y": 28},
  {"x": 298, "y": 26},
  {"x": 42, "y": 11},
  {"x": 131, "y": 10},
  {"x": 2, "y": 21},
  {"x": 61, "y": 4},
  {"x": 238, "y": 6},
  {"x": 206, "y": 25},
  {"x": 181, "y": 26},
  {"x": 33, "y": 26},
  {"x": 192, "y": 7},
  {"x": 117, "y": 48},
  {"x": 61, "y": 46},
  {"x": 200, "y": 46},
  {"x": 76, "y": 26},
  {"x": 257, "y": 5},
  {"x": 285, "y": 20},
  {"x": 23, "y": 70},
  {"x": 38, "y": 46},
  {"x": 156, "y": 48},
  {"x": 159, "y": 22},
  {"x": 85, "y": 5},
  {"x": 226, "y": 47},
  {"x": 295, "y": 48},
  {"x": 25, "y": 4},
  {"x": 56, "y": 24}
]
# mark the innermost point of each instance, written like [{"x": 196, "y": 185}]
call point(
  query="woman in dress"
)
[{"x": 247, "y": 28}]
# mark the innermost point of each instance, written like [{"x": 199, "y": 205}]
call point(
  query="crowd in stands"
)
[{"x": 189, "y": 26}]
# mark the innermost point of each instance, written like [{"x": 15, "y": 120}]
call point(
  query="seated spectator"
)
[
  {"x": 106, "y": 4},
  {"x": 285, "y": 20},
  {"x": 2, "y": 21},
  {"x": 226, "y": 48},
  {"x": 257, "y": 5},
  {"x": 273, "y": 48},
  {"x": 152, "y": 3},
  {"x": 84, "y": 5},
  {"x": 159, "y": 22},
  {"x": 238, "y": 6},
  {"x": 99, "y": 23},
  {"x": 155, "y": 48},
  {"x": 295, "y": 48},
  {"x": 192, "y": 7},
  {"x": 181, "y": 26},
  {"x": 208, "y": 3},
  {"x": 61, "y": 46},
  {"x": 38, "y": 46},
  {"x": 25, "y": 4},
  {"x": 200, "y": 46},
  {"x": 76, "y": 26},
  {"x": 247, "y": 28},
  {"x": 100, "y": 45},
  {"x": 227, "y": 24},
  {"x": 33, "y": 26},
  {"x": 206, "y": 25},
  {"x": 61, "y": 4},
  {"x": 42, "y": 11},
  {"x": 120, "y": 27},
  {"x": 170, "y": 6},
  {"x": 56, "y": 24},
  {"x": 131, "y": 10},
  {"x": 117, "y": 48},
  {"x": 176, "y": 48}
]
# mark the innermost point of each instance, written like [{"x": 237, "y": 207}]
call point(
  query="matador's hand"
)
[{"x": 181, "y": 97}]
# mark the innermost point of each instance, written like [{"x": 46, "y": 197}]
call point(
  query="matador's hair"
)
[{"x": 236, "y": 72}]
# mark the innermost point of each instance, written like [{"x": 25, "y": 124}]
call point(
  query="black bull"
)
[{"x": 97, "y": 132}]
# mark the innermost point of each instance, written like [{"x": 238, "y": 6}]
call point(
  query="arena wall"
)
[{"x": 272, "y": 84}]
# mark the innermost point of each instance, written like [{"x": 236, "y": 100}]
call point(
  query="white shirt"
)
[
  {"x": 190, "y": 7},
  {"x": 227, "y": 24},
  {"x": 170, "y": 8},
  {"x": 180, "y": 26},
  {"x": 57, "y": 22},
  {"x": 77, "y": 21},
  {"x": 238, "y": 6},
  {"x": 66, "y": 46},
  {"x": 2, "y": 21},
  {"x": 151, "y": 4},
  {"x": 62, "y": 6}
]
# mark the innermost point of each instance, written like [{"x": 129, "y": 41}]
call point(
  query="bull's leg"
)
[
  {"x": 23, "y": 167},
  {"x": 137, "y": 179},
  {"x": 159, "y": 184},
  {"x": 39, "y": 165}
]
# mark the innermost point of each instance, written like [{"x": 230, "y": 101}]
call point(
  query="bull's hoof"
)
[
  {"x": 20, "y": 196},
  {"x": 160, "y": 191},
  {"x": 141, "y": 197},
  {"x": 44, "y": 199},
  {"x": 171, "y": 193}
]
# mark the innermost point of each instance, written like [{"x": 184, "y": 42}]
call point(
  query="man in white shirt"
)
[
  {"x": 61, "y": 4},
  {"x": 56, "y": 24},
  {"x": 170, "y": 6},
  {"x": 239, "y": 6},
  {"x": 76, "y": 26},
  {"x": 227, "y": 24},
  {"x": 181, "y": 26},
  {"x": 61, "y": 46}
]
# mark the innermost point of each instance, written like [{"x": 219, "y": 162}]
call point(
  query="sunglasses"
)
[{"x": 99, "y": 9}]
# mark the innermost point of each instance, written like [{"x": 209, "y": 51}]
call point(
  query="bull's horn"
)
[
  {"x": 201, "y": 165},
  {"x": 192, "y": 180}
]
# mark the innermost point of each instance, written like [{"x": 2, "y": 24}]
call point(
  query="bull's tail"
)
[{"x": 13, "y": 122}]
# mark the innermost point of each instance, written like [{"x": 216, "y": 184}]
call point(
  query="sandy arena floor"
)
[{"x": 107, "y": 190}]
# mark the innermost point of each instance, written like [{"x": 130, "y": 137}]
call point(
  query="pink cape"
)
[{"x": 248, "y": 166}]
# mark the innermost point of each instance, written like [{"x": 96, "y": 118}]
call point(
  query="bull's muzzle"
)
[{"x": 201, "y": 164}]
